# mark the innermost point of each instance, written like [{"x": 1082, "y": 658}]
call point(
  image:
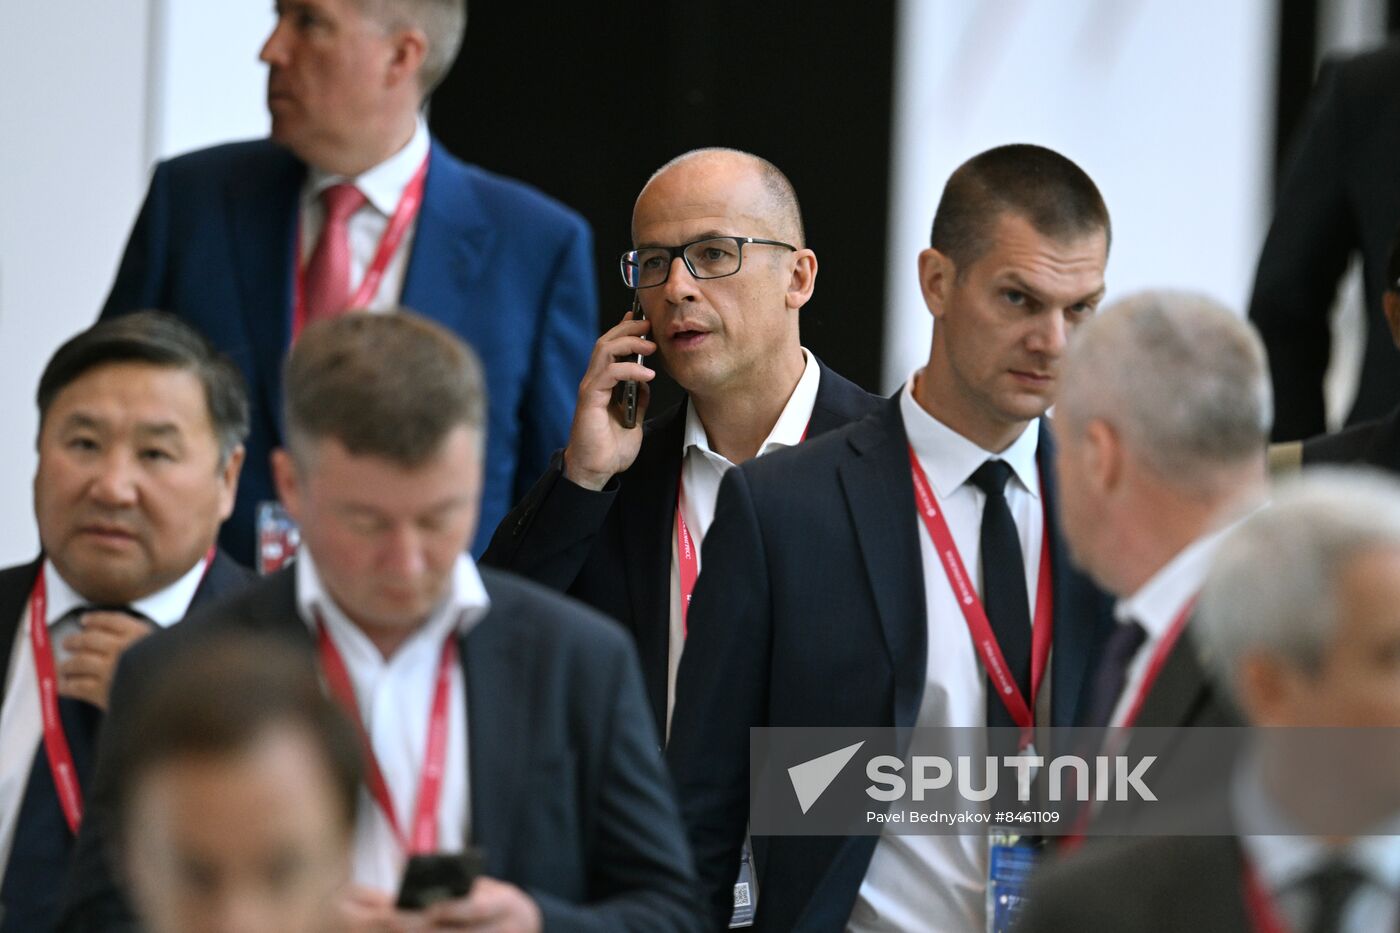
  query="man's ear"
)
[
  {"x": 1390, "y": 303},
  {"x": 228, "y": 481},
  {"x": 1103, "y": 456},
  {"x": 936, "y": 275},
  {"x": 288, "y": 482},
  {"x": 410, "y": 48},
  {"x": 1267, "y": 690},
  {"x": 803, "y": 280}
]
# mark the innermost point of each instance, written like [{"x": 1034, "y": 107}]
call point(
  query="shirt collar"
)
[
  {"x": 950, "y": 459},
  {"x": 466, "y": 597},
  {"x": 163, "y": 607},
  {"x": 787, "y": 431},
  {"x": 1157, "y": 602},
  {"x": 1283, "y": 859},
  {"x": 384, "y": 184}
]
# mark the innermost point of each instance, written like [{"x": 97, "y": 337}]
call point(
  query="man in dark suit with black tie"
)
[
  {"x": 1297, "y": 623},
  {"x": 825, "y": 603},
  {"x": 1337, "y": 195},
  {"x": 352, "y": 204},
  {"x": 1149, "y": 489},
  {"x": 619, "y": 518},
  {"x": 141, "y": 428},
  {"x": 494, "y": 713}
]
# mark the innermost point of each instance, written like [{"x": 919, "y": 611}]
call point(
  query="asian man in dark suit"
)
[
  {"x": 1297, "y": 624},
  {"x": 601, "y": 524},
  {"x": 250, "y": 240},
  {"x": 141, "y": 427},
  {"x": 1337, "y": 196},
  {"x": 522, "y": 708},
  {"x": 823, "y": 602}
]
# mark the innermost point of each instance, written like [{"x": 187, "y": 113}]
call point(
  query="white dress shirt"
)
[
  {"x": 395, "y": 697},
  {"x": 937, "y": 882},
  {"x": 21, "y": 719},
  {"x": 382, "y": 186},
  {"x": 1284, "y": 862},
  {"x": 1158, "y": 603},
  {"x": 701, "y": 472}
]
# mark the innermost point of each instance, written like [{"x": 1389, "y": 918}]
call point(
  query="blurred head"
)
[
  {"x": 344, "y": 74},
  {"x": 1164, "y": 410},
  {"x": 1016, "y": 262},
  {"x": 723, "y": 334},
  {"x": 236, "y": 807},
  {"x": 141, "y": 428},
  {"x": 385, "y": 420},
  {"x": 1300, "y": 617}
]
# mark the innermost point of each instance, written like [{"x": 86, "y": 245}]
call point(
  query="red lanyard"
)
[
  {"x": 399, "y": 221},
  {"x": 1263, "y": 916},
  {"x": 687, "y": 553},
  {"x": 60, "y": 754},
  {"x": 1159, "y": 660},
  {"x": 983, "y": 638},
  {"x": 424, "y": 838}
]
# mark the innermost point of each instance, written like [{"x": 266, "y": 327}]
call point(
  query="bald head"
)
[{"x": 753, "y": 184}]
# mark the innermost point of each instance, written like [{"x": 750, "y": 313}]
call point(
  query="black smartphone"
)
[
  {"x": 438, "y": 876},
  {"x": 627, "y": 391}
]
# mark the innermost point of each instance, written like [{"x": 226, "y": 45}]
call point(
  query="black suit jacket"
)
[
  {"x": 612, "y": 548},
  {"x": 569, "y": 798},
  {"x": 1372, "y": 443},
  {"x": 1338, "y": 193},
  {"x": 224, "y": 576},
  {"x": 1162, "y": 885},
  {"x": 811, "y": 612}
]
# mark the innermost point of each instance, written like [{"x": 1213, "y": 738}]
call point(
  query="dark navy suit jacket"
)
[
  {"x": 569, "y": 797},
  {"x": 35, "y": 906},
  {"x": 612, "y": 548},
  {"x": 498, "y": 263},
  {"x": 810, "y": 611}
]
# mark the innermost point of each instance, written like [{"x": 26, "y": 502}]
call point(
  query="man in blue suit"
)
[
  {"x": 248, "y": 241},
  {"x": 140, "y": 440},
  {"x": 825, "y": 602},
  {"x": 494, "y": 713}
]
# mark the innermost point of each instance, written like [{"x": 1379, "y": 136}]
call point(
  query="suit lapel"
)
[
  {"x": 1180, "y": 690},
  {"x": 499, "y": 711},
  {"x": 839, "y": 402},
  {"x": 880, "y": 495},
  {"x": 14, "y": 599},
  {"x": 451, "y": 243},
  {"x": 263, "y": 210},
  {"x": 646, "y": 516}
]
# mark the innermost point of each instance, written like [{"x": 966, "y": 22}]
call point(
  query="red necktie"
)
[{"x": 328, "y": 271}]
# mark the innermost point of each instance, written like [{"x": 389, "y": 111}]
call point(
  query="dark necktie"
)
[
  {"x": 1004, "y": 588},
  {"x": 1331, "y": 888},
  {"x": 1112, "y": 674}
]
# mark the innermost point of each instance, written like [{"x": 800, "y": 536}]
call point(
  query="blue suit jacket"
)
[
  {"x": 810, "y": 611},
  {"x": 45, "y": 856},
  {"x": 569, "y": 798},
  {"x": 498, "y": 263}
]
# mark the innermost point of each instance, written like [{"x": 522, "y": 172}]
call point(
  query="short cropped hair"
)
[
  {"x": 444, "y": 22},
  {"x": 785, "y": 211},
  {"x": 222, "y": 699},
  {"x": 1183, "y": 380},
  {"x": 1274, "y": 584},
  {"x": 1053, "y": 194},
  {"x": 159, "y": 339},
  {"x": 390, "y": 385}
]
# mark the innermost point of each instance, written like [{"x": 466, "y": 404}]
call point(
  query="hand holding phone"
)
[
  {"x": 438, "y": 876},
  {"x": 628, "y": 390}
]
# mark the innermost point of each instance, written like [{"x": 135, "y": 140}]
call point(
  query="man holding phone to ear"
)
[
  {"x": 721, "y": 269},
  {"x": 495, "y": 715}
]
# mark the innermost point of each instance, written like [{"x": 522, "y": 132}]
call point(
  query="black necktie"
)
[
  {"x": 1331, "y": 888},
  {"x": 1004, "y": 588},
  {"x": 1122, "y": 646}
]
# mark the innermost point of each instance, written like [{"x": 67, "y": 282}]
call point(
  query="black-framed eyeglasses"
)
[{"x": 711, "y": 258}]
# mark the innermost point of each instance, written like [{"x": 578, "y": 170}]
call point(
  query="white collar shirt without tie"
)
[
  {"x": 1284, "y": 862},
  {"x": 702, "y": 470},
  {"x": 936, "y": 882},
  {"x": 21, "y": 718},
  {"x": 1156, "y": 605},
  {"x": 395, "y": 697},
  {"x": 383, "y": 187}
]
